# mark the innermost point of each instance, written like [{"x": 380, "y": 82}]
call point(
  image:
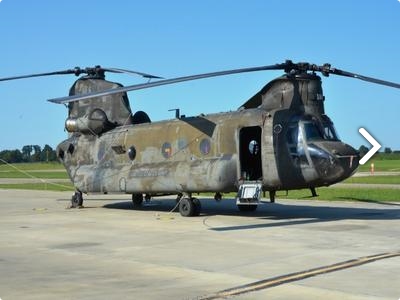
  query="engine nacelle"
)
[{"x": 95, "y": 123}]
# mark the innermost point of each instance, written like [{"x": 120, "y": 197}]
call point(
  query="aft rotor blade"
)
[
  {"x": 64, "y": 100},
  {"x": 365, "y": 78},
  {"x": 70, "y": 71},
  {"x": 118, "y": 70}
]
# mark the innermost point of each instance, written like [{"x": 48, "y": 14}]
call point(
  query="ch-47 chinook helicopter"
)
[{"x": 280, "y": 139}]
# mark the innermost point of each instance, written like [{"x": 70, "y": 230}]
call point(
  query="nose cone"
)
[
  {"x": 348, "y": 159},
  {"x": 334, "y": 161}
]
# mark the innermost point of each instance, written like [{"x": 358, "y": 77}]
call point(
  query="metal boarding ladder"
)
[{"x": 249, "y": 193}]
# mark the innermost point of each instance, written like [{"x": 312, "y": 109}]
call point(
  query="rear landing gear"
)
[
  {"x": 313, "y": 192},
  {"x": 77, "y": 200}
]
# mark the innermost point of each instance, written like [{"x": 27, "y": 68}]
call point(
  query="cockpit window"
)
[
  {"x": 302, "y": 131},
  {"x": 316, "y": 131},
  {"x": 330, "y": 132},
  {"x": 312, "y": 131}
]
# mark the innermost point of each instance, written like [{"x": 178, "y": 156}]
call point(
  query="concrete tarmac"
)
[{"x": 109, "y": 251}]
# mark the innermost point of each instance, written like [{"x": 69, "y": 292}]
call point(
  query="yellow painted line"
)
[
  {"x": 39, "y": 209},
  {"x": 271, "y": 282}
]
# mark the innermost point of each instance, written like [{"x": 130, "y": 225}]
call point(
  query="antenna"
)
[{"x": 177, "y": 112}]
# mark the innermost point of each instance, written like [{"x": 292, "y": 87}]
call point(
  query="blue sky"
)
[{"x": 178, "y": 38}]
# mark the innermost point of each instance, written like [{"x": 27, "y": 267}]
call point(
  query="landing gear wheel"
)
[
  {"x": 137, "y": 200},
  {"x": 187, "y": 207},
  {"x": 197, "y": 206},
  {"x": 242, "y": 207},
  {"x": 77, "y": 200}
]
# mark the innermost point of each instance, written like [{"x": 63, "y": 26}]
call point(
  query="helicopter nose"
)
[
  {"x": 334, "y": 161},
  {"x": 348, "y": 159}
]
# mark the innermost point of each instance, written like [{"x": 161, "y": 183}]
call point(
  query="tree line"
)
[
  {"x": 29, "y": 153},
  {"x": 386, "y": 153}
]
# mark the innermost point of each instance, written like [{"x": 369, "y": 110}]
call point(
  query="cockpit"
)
[
  {"x": 315, "y": 130},
  {"x": 315, "y": 148}
]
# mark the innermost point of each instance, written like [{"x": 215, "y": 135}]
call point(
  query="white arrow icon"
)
[{"x": 374, "y": 143}]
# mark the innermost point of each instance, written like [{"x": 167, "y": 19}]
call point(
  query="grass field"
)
[
  {"x": 390, "y": 179},
  {"x": 381, "y": 165},
  {"x": 346, "y": 194},
  {"x": 32, "y": 166},
  {"x": 34, "y": 174},
  {"x": 34, "y": 170},
  {"x": 52, "y": 170}
]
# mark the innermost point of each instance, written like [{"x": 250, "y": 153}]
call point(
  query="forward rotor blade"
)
[
  {"x": 78, "y": 71},
  {"x": 70, "y": 71},
  {"x": 118, "y": 70},
  {"x": 64, "y": 100},
  {"x": 364, "y": 78}
]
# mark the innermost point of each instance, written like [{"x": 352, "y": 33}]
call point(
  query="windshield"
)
[
  {"x": 330, "y": 132},
  {"x": 304, "y": 130},
  {"x": 312, "y": 131}
]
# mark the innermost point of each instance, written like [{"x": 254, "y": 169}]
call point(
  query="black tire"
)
[
  {"x": 242, "y": 207},
  {"x": 137, "y": 200},
  {"x": 186, "y": 207},
  {"x": 76, "y": 200},
  {"x": 197, "y": 206}
]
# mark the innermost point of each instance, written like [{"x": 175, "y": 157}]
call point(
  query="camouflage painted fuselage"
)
[{"x": 182, "y": 155}]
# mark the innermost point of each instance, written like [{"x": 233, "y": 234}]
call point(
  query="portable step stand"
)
[{"x": 249, "y": 193}]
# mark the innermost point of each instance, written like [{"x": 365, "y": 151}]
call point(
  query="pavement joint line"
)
[{"x": 275, "y": 281}]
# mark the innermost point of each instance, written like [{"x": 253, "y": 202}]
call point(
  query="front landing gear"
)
[
  {"x": 189, "y": 207},
  {"x": 77, "y": 200}
]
